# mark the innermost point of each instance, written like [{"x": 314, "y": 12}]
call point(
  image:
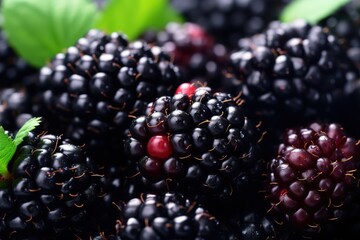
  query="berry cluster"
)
[
  {"x": 98, "y": 85},
  {"x": 313, "y": 175},
  {"x": 201, "y": 144},
  {"x": 231, "y": 125}
]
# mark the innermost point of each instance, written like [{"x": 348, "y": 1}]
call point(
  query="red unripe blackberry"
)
[
  {"x": 209, "y": 149},
  {"x": 312, "y": 179}
]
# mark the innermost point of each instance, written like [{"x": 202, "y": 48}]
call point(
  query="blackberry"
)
[
  {"x": 312, "y": 180},
  {"x": 345, "y": 23},
  {"x": 229, "y": 20},
  {"x": 291, "y": 74},
  {"x": 49, "y": 187},
  {"x": 200, "y": 58},
  {"x": 168, "y": 216},
  {"x": 201, "y": 145},
  {"x": 98, "y": 85},
  {"x": 13, "y": 69},
  {"x": 255, "y": 224}
]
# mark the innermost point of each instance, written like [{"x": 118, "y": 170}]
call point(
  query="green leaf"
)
[
  {"x": 8, "y": 145},
  {"x": 311, "y": 10},
  {"x": 30, "y": 125},
  {"x": 38, "y": 30},
  {"x": 133, "y": 17},
  {"x": 8, "y": 149}
]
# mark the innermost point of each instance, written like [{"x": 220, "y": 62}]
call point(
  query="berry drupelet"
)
[
  {"x": 48, "y": 188},
  {"x": 292, "y": 73},
  {"x": 15, "y": 108},
  {"x": 17, "y": 105},
  {"x": 168, "y": 216},
  {"x": 312, "y": 180},
  {"x": 200, "y": 144},
  {"x": 197, "y": 54},
  {"x": 95, "y": 87}
]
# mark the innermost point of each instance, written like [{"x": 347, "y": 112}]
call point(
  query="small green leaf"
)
[
  {"x": 30, "y": 125},
  {"x": 133, "y": 17},
  {"x": 8, "y": 145},
  {"x": 7, "y": 150},
  {"x": 311, "y": 10},
  {"x": 40, "y": 29}
]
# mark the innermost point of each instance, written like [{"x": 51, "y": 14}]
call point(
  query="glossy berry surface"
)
[
  {"x": 98, "y": 85},
  {"x": 229, "y": 20},
  {"x": 186, "y": 88},
  {"x": 203, "y": 146},
  {"x": 291, "y": 73},
  {"x": 168, "y": 216},
  {"x": 312, "y": 178},
  {"x": 159, "y": 147},
  {"x": 344, "y": 23},
  {"x": 15, "y": 107},
  {"x": 199, "y": 57},
  {"x": 53, "y": 190}
]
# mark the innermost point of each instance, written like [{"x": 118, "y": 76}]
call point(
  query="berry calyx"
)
[
  {"x": 159, "y": 147},
  {"x": 186, "y": 88}
]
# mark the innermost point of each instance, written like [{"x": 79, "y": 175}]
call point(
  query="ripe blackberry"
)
[
  {"x": 345, "y": 24},
  {"x": 96, "y": 86},
  {"x": 291, "y": 74},
  {"x": 312, "y": 179},
  {"x": 229, "y": 20},
  {"x": 13, "y": 69},
  {"x": 49, "y": 187},
  {"x": 200, "y": 58},
  {"x": 202, "y": 146},
  {"x": 168, "y": 216},
  {"x": 255, "y": 224}
]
